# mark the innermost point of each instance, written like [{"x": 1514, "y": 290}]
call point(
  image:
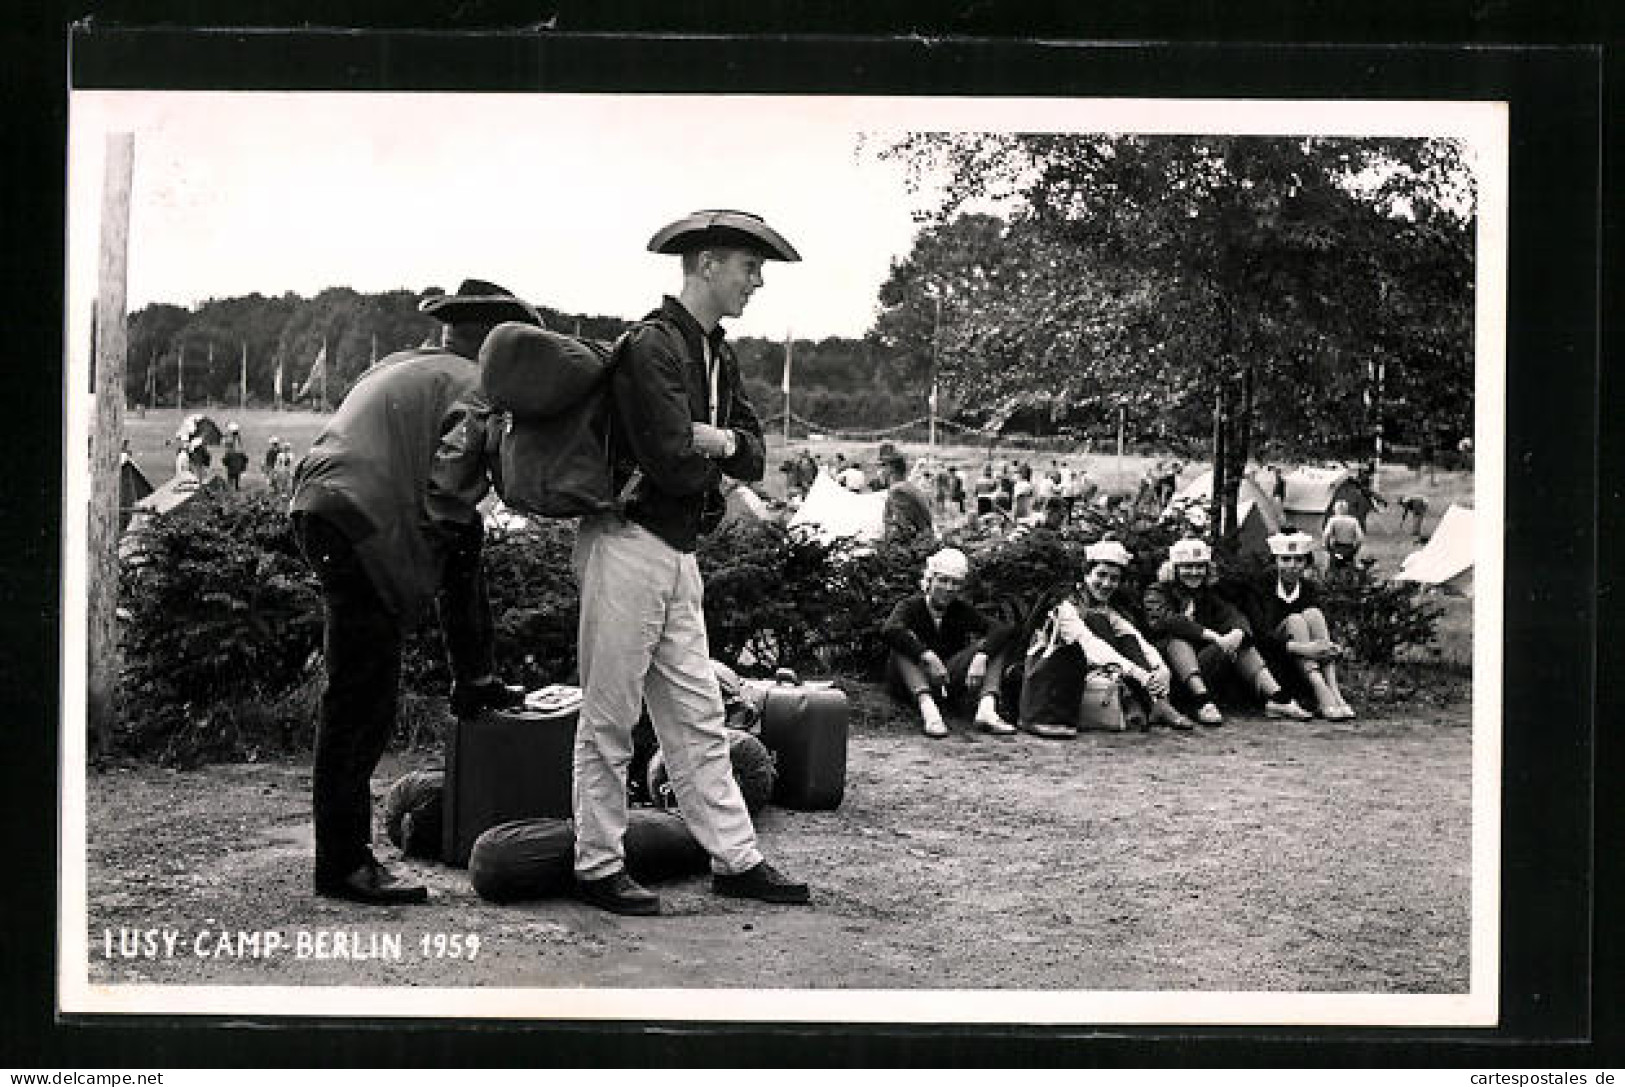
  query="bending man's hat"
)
[
  {"x": 722, "y": 229},
  {"x": 479, "y": 302}
]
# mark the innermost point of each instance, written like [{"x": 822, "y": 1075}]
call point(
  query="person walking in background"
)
[
  {"x": 907, "y": 513},
  {"x": 682, "y": 420},
  {"x": 943, "y": 652},
  {"x": 234, "y": 457},
  {"x": 282, "y": 468},
  {"x": 360, "y": 512},
  {"x": 1342, "y": 536}
]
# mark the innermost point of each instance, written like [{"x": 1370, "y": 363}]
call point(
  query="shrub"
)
[{"x": 220, "y": 609}]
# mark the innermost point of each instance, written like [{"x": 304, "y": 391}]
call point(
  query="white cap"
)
[
  {"x": 1108, "y": 551},
  {"x": 950, "y": 562},
  {"x": 1291, "y": 543},
  {"x": 1191, "y": 550}
]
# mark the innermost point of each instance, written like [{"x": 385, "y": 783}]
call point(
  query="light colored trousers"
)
[{"x": 642, "y": 640}]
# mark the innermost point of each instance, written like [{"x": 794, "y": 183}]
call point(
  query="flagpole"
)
[
  {"x": 242, "y": 381},
  {"x": 180, "y": 377},
  {"x": 210, "y": 371},
  {"x": 324, "y": 373},
  {"x": 789, "y": 351},
  {"x": 936, "y": 337}
]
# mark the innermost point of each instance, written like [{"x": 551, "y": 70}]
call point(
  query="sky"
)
[
  {"x": 556, "y": 196},
  {"x": 552, "y": 196}
]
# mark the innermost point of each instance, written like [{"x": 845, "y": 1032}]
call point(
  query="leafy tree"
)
[{"x": 1253, "y": 280}]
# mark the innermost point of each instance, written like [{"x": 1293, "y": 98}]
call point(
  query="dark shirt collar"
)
[{"x": 673, "y": 309}]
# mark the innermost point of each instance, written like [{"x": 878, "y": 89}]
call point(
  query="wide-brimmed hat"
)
[
  {"x": 1107, "y": 551},
  {"x": 479, "y": 302},
  {"x": 723, "y": 229}
]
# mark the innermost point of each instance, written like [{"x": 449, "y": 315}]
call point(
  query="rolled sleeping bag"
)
[
  {"x": 414, "y": 812},
  {"x": 537, "y": 373},
  {"x": 754, "y": 771},
  {"x": 535, "y": 858},
  {"x": 523, "y": 859}
]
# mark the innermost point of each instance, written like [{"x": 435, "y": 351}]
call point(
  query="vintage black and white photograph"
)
[{"x": 774, "y": 557}]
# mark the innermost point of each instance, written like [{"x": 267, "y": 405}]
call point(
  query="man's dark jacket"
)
[{"x": 660, "y": 389}]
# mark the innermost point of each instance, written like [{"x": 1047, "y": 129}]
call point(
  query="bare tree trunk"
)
[{"x": 107, "y": 443}]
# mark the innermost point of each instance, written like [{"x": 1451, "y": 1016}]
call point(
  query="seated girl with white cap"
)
[
  {"x": 1079, "y": 630},
  {"x": 1204, "y": 636},
  {"x": 942, "y": 647},
  {"x": 1293, "y": 626}
]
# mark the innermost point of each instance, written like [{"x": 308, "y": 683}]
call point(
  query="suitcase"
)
[
  {"x": 504, "y": 765},
  {"x": 804, "y": 725}
]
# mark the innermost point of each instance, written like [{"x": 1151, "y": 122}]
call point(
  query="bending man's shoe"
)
[
  {"x": 469, "y": 699},
  {"x": 618, "y": 893},
  {"x": 763, "y": 883},
  {"x": 374, "y": 885}
]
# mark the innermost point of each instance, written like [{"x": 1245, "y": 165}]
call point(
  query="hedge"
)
[{"x": 222, "y": 619}]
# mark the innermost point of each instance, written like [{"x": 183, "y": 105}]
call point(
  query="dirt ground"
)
[{"x": 1263, "y": 856}]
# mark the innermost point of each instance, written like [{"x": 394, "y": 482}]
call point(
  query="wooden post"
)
[
  {"x": 1122, "y": 426},
  {"x": 107, "y": 444}
]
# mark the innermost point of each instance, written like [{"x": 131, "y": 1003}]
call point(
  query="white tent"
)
[
  {"x": 1311, "y": 493},
  {"x": 831, "y": 511},
  {"x": 1447, "y": 560},
  {"x": 1255, "y": 510}
]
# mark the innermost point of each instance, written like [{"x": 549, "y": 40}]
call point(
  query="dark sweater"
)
[{"x": 910, "y": 630}]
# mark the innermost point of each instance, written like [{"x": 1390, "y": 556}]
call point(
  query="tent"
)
[
  {"x": 1311, "y": 493},
  {"x": 1447, "y": 560},
  {"x": 170, "y": 495},
  {"x": 831, "y": 511},
  {"x": 1256, "y": 516},
  {"x": 745, "y": 504},
  {"x": 132, "y": 488}
]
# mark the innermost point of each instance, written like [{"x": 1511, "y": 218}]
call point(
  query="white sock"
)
[
  {"x": 929, "y": 712},
  {"x": 987, "y": 709}
]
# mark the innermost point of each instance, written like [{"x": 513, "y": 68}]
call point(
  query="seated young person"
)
[
  {"x": 943, "y": 648},
  {"x": 1293, "y": 627},
  {"x": 1205, "y": 637},
  {"x": 1078, "y": 630}
]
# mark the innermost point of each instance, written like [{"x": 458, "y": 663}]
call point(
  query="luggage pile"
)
[{"x": 501, "y": 807}]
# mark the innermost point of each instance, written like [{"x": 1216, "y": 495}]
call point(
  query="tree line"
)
[{"x": 1292, "y": 298}]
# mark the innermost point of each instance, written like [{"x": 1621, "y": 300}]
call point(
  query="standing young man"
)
[
  {"x": 361, "y": 518},
  {"x": 681, "y": 421}
]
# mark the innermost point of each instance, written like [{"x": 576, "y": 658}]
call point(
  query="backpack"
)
[{"x": 548, "y": 442}]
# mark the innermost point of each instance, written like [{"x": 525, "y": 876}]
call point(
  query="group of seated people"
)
[{"x": 1189, "y": 643}]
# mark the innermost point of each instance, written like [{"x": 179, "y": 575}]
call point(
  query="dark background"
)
[{"x": 1559, "y": 931}]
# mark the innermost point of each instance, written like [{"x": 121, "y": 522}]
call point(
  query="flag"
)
[
  {"x": 318, "y": 376},
  {"x": 276, "y": 382},
  {"x": 374, "y": 360},
  {"x": 789, "y": 350}
]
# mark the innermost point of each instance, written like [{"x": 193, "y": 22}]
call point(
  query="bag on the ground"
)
[
  {"x": 753, "y": 770},
  {"x": 413, "y": 813},
  {"x": 535, "y": 858},
  {"x": 1100, "y": 708}
]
